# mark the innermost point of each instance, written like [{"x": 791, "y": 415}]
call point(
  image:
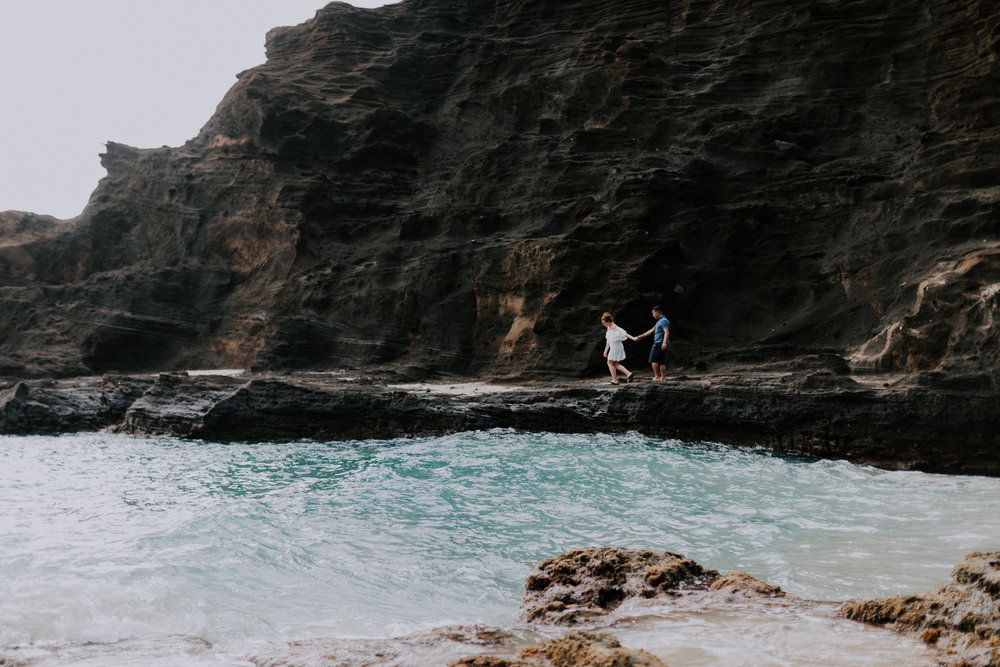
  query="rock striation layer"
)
[{"x": 464, "y": 187}]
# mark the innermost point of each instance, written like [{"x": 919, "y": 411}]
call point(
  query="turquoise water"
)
[{"x": 106, "y": 537}]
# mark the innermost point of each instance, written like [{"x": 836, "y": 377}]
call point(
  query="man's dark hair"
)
[{"x": 658, "y": 309}]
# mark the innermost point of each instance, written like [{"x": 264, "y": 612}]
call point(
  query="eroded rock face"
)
[
  {"x": 962, "y": 619},
  {"x": 465, "y": 187}
]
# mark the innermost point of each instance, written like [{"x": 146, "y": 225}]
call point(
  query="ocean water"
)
[{"x": 129, "y": 550}]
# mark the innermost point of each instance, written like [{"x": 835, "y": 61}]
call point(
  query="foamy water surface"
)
[{"x": 126, "y": 550}]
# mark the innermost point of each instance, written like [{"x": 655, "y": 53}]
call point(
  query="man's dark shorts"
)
[{"x": 657, "y": 355}]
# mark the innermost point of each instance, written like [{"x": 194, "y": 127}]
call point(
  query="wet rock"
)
[
  {"x": 741, "y": 584},
  {"x": 961, "y": 619},
  {"x": 582, "y": 649},
  {"x": 585, "y": 584}
]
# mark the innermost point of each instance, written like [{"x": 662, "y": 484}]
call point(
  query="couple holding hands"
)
[{"x": 614, "y": 349}]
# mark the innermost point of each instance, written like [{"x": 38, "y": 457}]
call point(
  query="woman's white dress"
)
[{"x": 616, "y": 336}]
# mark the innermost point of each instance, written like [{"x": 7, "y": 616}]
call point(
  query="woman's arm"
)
[{"x": 607, "y": 348}]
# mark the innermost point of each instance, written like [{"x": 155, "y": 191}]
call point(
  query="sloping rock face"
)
[
  {"x": 465, "y": 187},
  {"x": 962, "y": 619}
]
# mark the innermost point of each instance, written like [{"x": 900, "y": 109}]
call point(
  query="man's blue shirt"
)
[{"x": 659, "y": 328}]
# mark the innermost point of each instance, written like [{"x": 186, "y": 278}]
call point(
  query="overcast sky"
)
[{"x": 77, "y": 73}]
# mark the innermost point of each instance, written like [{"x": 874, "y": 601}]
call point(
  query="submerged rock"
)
[
  {"x": 435, "y": 647},
  {"x": 579, "y": 649},
  {"x": 962, "y": 619}
]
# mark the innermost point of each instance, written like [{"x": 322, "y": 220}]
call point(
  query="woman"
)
[{"x": 614, "y": 350}]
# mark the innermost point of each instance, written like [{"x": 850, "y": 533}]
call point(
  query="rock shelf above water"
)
[{"x": 901, "y": 422}]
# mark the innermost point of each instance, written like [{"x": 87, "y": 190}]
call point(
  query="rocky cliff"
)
[{"x": 465, "y": 186}]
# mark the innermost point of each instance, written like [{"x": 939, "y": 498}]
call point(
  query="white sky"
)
[{"x": 77, "y": 73}]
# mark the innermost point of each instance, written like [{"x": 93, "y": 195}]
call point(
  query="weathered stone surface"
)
[
  {"x": 580, "y": 649},
  {"x": 587, "y": 583},
  {"x": 961, "y": 619},
  {"x": 466, "y": 186}
]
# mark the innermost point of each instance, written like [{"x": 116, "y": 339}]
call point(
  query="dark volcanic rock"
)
[
  {"x": 895, "y": 425},
  {"x": 84, "y": 404},
  {"x": 234, "y": 408},
  {"x": 924, "y": 425},
  {"x": 962, "y": 619},
  {"x": 466, "y": 186}
]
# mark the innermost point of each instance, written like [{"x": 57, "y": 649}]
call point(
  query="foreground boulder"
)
[
  {"x": 585, "y": 584},
  {"x": 962, "y": 619}
]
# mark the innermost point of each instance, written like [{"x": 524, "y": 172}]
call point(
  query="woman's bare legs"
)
[{"x": 615, "y": 367}]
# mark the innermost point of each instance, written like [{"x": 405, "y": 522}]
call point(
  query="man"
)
[{"x": 661, "y": 343}]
